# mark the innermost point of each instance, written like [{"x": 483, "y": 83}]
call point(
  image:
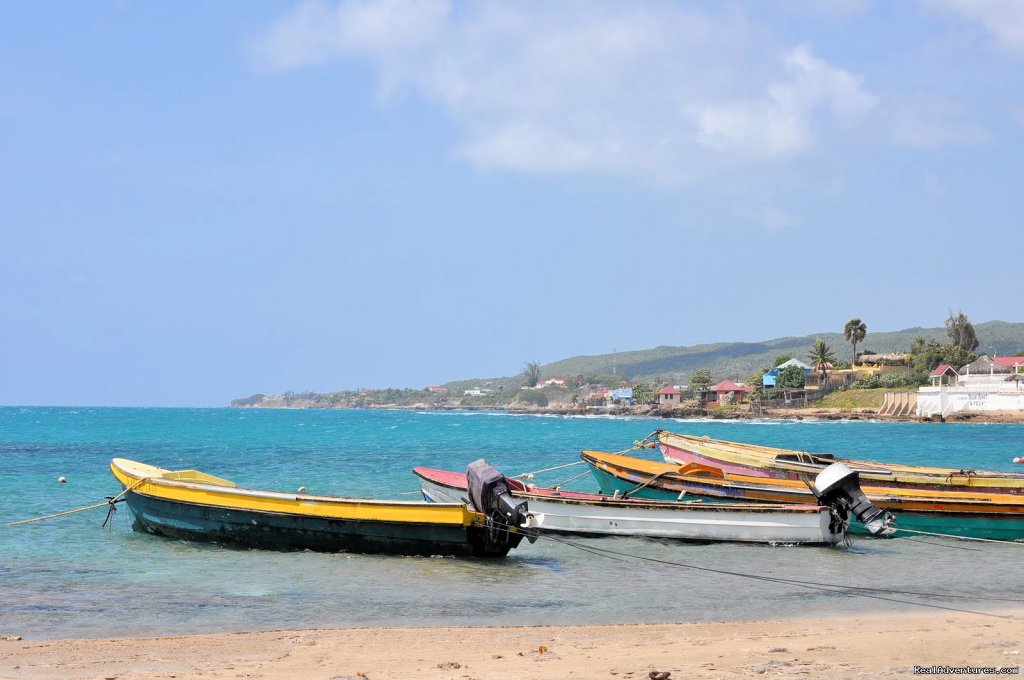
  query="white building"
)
[{"x": 985, "y": 385}]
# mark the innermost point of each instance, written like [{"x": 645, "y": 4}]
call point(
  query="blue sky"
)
[{"x": 199, "y": 202}]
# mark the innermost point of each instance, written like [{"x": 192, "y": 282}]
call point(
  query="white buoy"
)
[
  {"x": 1018, "y": 460},
  {"x": 302, "y": 489},
  {"x": 62, "y": 480}
]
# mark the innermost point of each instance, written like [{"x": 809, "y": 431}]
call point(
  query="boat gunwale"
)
[
  {"x": 778, "y": 486},
  {"x": 331, "y": 508},
  {"x": 276, "y": 495},
  {"x": 639, "y": 503},
  {"x": 770, "y": 456}
]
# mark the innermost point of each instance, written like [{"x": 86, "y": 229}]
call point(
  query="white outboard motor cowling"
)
[{"x": 838, "y": 487}]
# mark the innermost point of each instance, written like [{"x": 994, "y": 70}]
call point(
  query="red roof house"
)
[
  {"x": 668, "y": 395},
  {"x": 727, "y": 392},
  {"x": 944, "y": 374},
  {"x": 730, "y": 386}
]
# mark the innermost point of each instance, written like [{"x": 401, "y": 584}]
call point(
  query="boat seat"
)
[{"x": 196, "y": 476}]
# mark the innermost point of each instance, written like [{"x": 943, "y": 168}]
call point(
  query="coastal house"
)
[
  {"x": 621, "y": 397},
  {"x": 1015, "y": 363},
  {"x": 669, "y": 396},
  {"x": 728, "y": 392},
  {"x": 869, "y": 365},
  {"x": 556, "y": 380},
  {"x": 437, "y": 389},
  {"x": 982, "y": 385},
  {"x": 477, "y": 392},
  {"x": 944, "y": 374},
  {"x": 771, "y": 377}
]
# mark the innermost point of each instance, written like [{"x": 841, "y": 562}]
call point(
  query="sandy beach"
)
[{"x": 862, "y": 646}]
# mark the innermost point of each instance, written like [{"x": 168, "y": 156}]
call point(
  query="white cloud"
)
[
  {"x": 655, "y": 91},
  {"x": 1004, "y": 19},
  {"x": 781, "y": 123},
  {"x": 384, "y": 30}
]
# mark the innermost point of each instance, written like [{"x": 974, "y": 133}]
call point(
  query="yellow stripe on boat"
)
[
  {"x": 191, "y": 486},
  {"x": 768, "y": 457},
  {"x": 769, "y": 489}
]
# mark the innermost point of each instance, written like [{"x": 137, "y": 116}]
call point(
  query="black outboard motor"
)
[
  {"x": 838, "y": 487},
  {"x": 488, "y": 492}
]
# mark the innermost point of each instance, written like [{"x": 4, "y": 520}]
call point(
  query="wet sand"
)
[{"x": 862, "y": 646}]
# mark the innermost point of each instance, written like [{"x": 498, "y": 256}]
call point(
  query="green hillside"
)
[{"x": 738, "y": 359}]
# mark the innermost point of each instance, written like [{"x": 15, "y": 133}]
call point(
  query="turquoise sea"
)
[{"x": 69, "y": 577}]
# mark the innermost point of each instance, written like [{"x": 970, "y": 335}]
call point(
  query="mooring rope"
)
[
  {"x": 571, "y": 479},
  {"x": 529, "y": 475},
  {"x": 110, "y": 501},
  {"x": 960, "y": 538},
  {"x": 642, "y": 486},
  {"x": 840, "y": 589}
]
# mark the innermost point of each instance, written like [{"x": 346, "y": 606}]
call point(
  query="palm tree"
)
[
  {"x": 822, "y": 358},
  {"x": 855, "y": 331}
]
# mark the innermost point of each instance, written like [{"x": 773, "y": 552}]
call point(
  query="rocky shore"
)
[{"x": 739, "y": 412}]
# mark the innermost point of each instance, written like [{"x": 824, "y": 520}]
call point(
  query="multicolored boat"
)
[
  {"x": 959, "y": 513},
  {"x": 193, "y": 505},
  {"x": 569, "y": 512},
  {"x": 765, "y": 461}
]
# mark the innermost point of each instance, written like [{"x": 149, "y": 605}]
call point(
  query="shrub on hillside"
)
[{"x": 534, "y": 397}]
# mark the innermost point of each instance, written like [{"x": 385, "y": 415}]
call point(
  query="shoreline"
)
[
  {"x": 797, "y": 414},
  {"x": 874, "y": 645}
]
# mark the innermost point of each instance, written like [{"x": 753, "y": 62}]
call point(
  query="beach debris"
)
[
  {"x": 542, "y": 649},
  {"x": 62, "y": 480},
  {"x": 453, "y": 665},
  {"x": 775, "y": 650},
  {"x": 10, "y": 638},
  {"x": 659, "y": 675}
]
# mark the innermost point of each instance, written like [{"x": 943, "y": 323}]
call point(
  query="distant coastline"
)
[
  {"x": 762, "y": 380},
  {"x": 681, "y": 413}
]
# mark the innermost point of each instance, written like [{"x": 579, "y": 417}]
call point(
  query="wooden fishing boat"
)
[
  {"x": 960, "y": 513},
  {"x": 193, "y": 505},
  {"x": 765, "y": 461},
  {"x": 569, "y": 512}
]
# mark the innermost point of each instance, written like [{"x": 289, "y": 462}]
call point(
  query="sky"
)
[{"x": 201, "y": 201}]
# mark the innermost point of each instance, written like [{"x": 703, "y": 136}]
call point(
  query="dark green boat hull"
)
[{"x": 278, "y": 531}]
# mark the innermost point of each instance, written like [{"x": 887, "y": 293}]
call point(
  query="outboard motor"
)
[
  {"x": 838, "y": 487},
  {"x": 488, "y": 492}
]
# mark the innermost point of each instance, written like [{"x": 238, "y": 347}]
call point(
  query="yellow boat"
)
[
  {"x": 193, "y": 505},
  {"x": 961, "y": 513},
  {"x": 766, "y": 461}
]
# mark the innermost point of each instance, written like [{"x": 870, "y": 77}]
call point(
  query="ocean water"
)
[{"x": 70, "y": 577}]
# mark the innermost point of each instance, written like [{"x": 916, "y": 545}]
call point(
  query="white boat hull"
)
[{"x": 689, "y": 520}]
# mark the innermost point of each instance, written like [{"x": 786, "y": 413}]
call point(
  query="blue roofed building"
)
[
  {"x": 772, "y": 376},
  {"x": 623, "y": 397}
]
